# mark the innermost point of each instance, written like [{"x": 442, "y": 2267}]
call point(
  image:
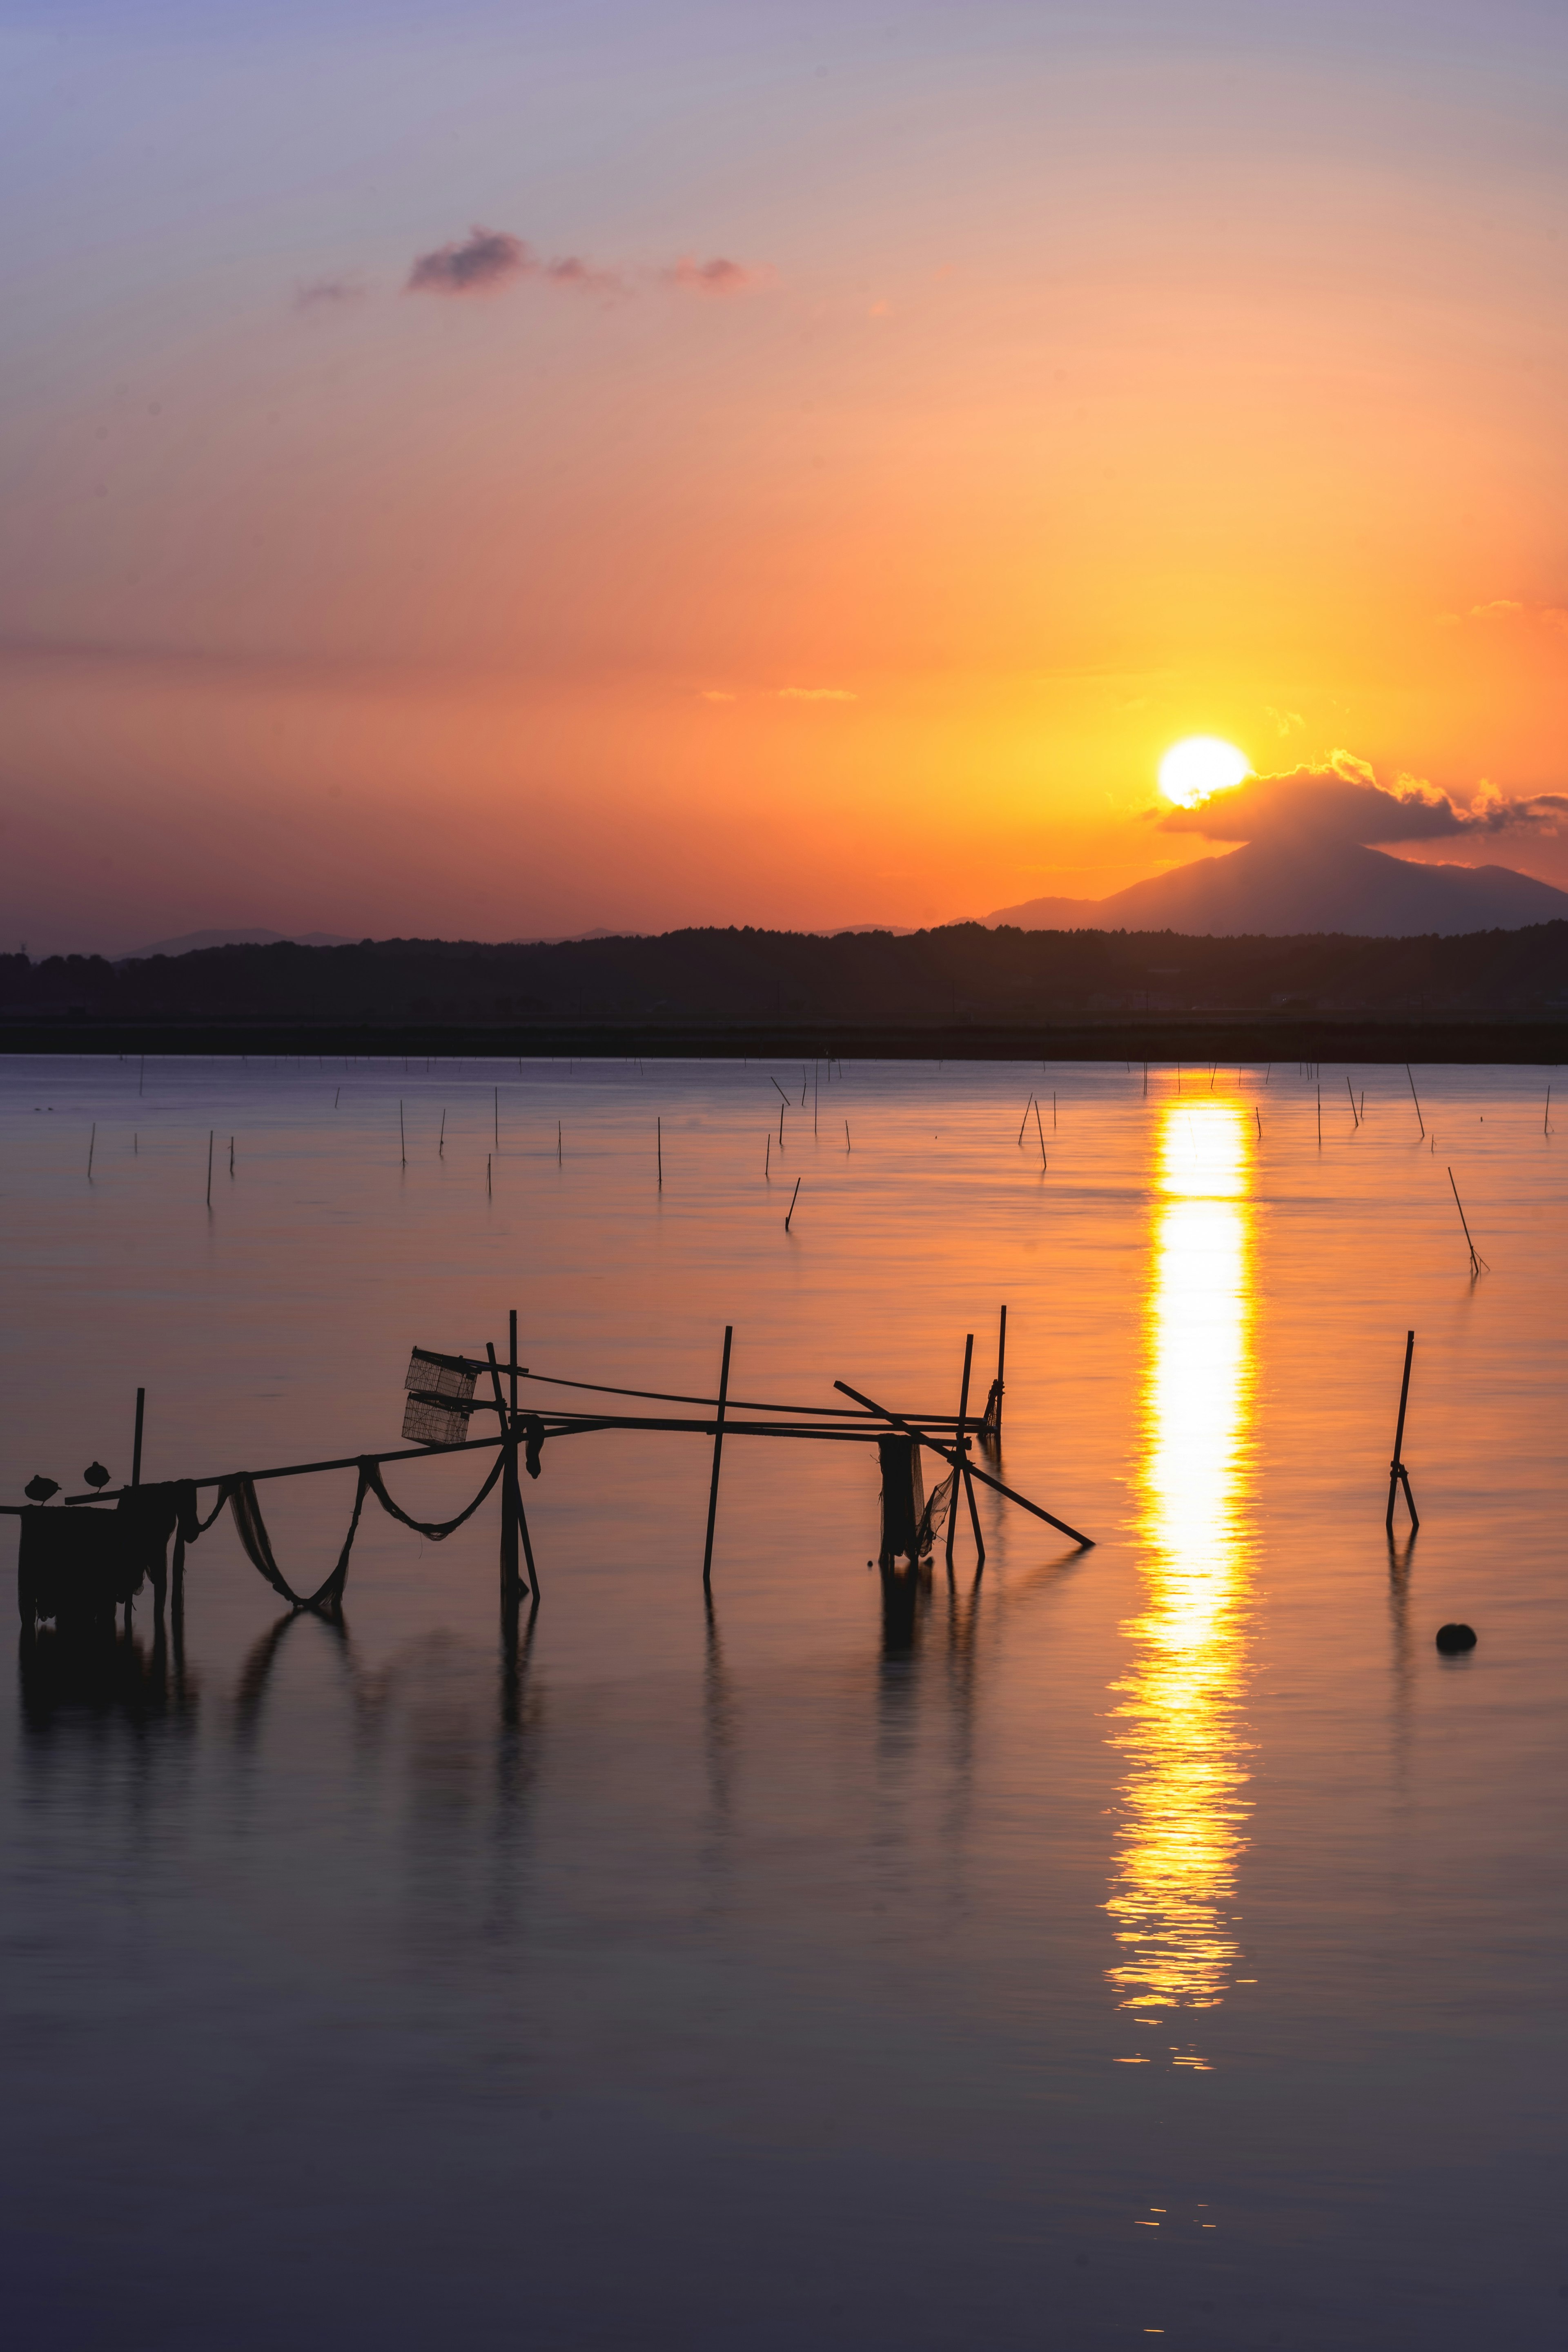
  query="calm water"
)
[{"x": 1165, "y": 1940}]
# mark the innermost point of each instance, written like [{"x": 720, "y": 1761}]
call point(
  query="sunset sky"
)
[{"x": 491, "y": 471}]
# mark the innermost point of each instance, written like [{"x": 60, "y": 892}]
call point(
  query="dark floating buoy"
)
[
  {"x": 96, "y": 1474},
  {"x": 1453, "y": 1639},
  {"x": 39, "y": 1490}
]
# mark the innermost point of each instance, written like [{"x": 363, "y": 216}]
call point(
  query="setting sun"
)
[{"x": 1199, "y": 765}]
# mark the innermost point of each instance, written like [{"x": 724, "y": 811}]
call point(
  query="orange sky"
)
[{"x": 1080, "y": 385}]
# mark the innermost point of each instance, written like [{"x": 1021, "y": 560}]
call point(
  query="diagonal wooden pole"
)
[
  {"x": 958, "y": 1440},
  {"x": 947, "y": 1454},
  {"x": 717, "y": 1450}
]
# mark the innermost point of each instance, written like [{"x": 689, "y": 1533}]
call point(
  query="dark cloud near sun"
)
[
  {"x": 1344, "y": 803},
  {"x": 489, "y": 258},
  {"x": 478, "y": 264}
]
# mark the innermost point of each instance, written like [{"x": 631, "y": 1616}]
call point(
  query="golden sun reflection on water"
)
[{"x": 1184, "y": 1807}]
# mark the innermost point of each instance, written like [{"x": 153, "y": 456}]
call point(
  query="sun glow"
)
[
  {"x": 1199, "y": 765},
  {"x": 1180, "y": 1714}
]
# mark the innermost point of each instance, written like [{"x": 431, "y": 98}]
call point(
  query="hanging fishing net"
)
[{"x": 440, "y": 1394}]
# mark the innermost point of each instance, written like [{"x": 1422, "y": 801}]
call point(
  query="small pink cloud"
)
[{"x": 715, "y": 277}]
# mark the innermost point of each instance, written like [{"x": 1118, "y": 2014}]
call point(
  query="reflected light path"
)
[{"x": 1184, "y": 1808}]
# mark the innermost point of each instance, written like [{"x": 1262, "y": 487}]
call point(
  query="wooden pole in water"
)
[
  {"x": 768, "y": 1157},
  {"x": 1044, "y": 1162},
  {"x": 717, "y": 1450},
  {"x": 1319, "y": 1119},
  {"x": 1546, "y": 1115},
  {"x": 847, "y": 1145},
  {"x": 1416, "y": 1100},
  {"x": 510, "y": 1499},
  {"x": 1351, "y": 1091},
  {"x": 209, "y": 1166},
  {"x": 1001, "y": 1370},
  {"x": 231, "y": 1155},
  {"x": 402, "y": 1137},
  {"x": 91, "y": 1145},
  {"x": 658, "y": 1145},
  {"x": 1024, "y": 1122},
  {"x": 1397, "y": 1473},
  {"x": 793, "y": 1199},
  {"x": 958, "y": 1440},
  {"x": 1477, "y": 1263},
  {"x": 1008, "y": 1493},
  {"x": 136, "y": 1440}
]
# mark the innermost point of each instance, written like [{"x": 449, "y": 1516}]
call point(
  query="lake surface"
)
[{"x": 1157, "y": 1939}]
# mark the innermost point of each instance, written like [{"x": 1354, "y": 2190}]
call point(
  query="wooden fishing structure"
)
[{"x": 79, "y": 1563}]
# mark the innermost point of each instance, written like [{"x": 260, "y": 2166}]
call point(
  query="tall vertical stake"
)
[
  {"x": 717, "y": 1449},
  {"x": 210, "y": 1133},
  {"x": 658, "y": 1145},
  {"x": 1416, "y": 1100},
  {"x": 136, "y": 1440},
  {"x": 1397, "y": 1473},
  {"x": 998, "y": 1390}
]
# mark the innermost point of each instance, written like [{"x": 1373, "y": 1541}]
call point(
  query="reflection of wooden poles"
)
[
  {"x": 948, "y": 1454},
  {"x": 136, "y": 1441},
  {"x": 717, "y": 1450},
  {"x": 1397, "y": 1473}
]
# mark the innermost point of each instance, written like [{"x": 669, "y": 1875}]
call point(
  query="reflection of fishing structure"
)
[{"x": 79, "y": 1565}]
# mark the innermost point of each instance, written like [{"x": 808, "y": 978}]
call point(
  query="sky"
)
[{"x": 496, "y": 471}]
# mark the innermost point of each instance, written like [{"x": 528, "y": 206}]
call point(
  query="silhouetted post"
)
[
  {"x": 658, "y": 1145},
  {"x": 997, "y": 1390},
  {"x": 1351, "y": 1091},
  {"x": 511, "y": 1494},
  {"x": 958, "y": 1440},
  {"x": 136, "y": 1441},
  {"x": 1024, "y": 1122},
  {"x": 91, "y": 1143},
  {"x": 1041, "y": 1132},
  {"x": 1397, "y": 1473},
  {"x": 717, "y": 1450},
  {"x": 1477, "y": 1263},
  {"x": 210, "y": 1134},
  {"x": 847, "y": 1145},
  {"x": 793, "y": 1199},
  {"x": 511, "y": 1341},
  {"x": 1416, "y": 1100},
  {"x": 498, "y": 1119},
  {"x": 1319, "y": 1119},
  {"x": 1546, "y": 1115}
]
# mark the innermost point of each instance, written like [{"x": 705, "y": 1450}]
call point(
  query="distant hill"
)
[
  {"x": 1284, "y": 891},
  {"x": 189, "y": 941},
  {"x": 724, "y": 980}
]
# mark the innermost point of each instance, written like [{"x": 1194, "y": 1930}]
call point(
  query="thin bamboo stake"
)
[
  {"x": 717, "y": 1450},
  {"x": 402, "y": 1137},
  {"x": 209, "y": 1166},
  {"x": 1351, "y": 1091},
  {"x": 136, "y": 1441},
  {"x": 490, "y": 1189},
  {"x": 1044, "y": 1162},
  {"x": 847, "y": 1145},
  {"x": 658, "y": 1146},
  {"x": 1416, "y": 1100},
  {"x": 441, "y": 1139},
  {"x": 793, "y": 1199},
  {"x": 1397, "y": 1470},
  {"x": 1024, "y": 1122},
  {"x": 92, "y": 1147},
  {"x": 1477, "y": 1263},
  {"x": 231, "y": 1155}
]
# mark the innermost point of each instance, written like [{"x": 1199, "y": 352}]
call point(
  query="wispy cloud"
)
[
  {"x": 816, "y": 694},
  {"x": 329, "y": 294},
  {"x": 715, "y": 277},
  {"x": 489, "y": 258},
  {"x": 1341, "y": 801}
]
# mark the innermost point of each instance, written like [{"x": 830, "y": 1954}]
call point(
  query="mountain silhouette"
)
[{"x": 1286, "y": 888}]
